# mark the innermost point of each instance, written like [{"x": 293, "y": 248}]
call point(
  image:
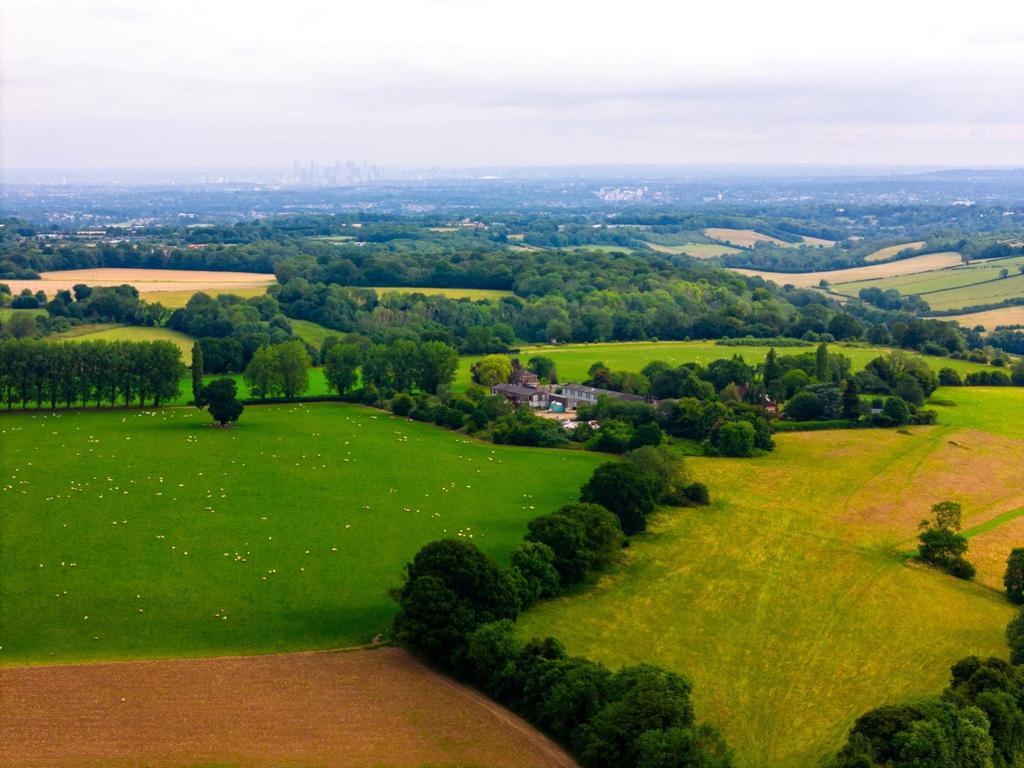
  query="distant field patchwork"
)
[
  {"x": 873, "y": 273},
  {"x": 956, "y": 287}
]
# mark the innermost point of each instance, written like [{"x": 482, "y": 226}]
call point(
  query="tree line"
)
[
  {"x": 457, "y": 607},
  {"x": 89, "y": 373}
]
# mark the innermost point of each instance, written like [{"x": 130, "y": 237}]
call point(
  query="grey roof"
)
[
  {"x": 512, "y": 389},
  {"x": 597, "y": 392}
]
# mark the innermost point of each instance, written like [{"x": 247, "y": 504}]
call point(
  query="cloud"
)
[{"x": 457, "y": 82}]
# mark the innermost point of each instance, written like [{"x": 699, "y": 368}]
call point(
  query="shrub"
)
[
  {"x": 534, "y": 572},
  {"x": 567, "y": 540},
  {"x": 401, "y": 405},
  {"x": 1013, "y": 580},
  {"x": 698, "y": 493},
  {"x": 896, "y": 410},
  {"x": 735, "y": 438},
  {"x": 949, "y": 378},
  {"x": 805, "y": 406}
]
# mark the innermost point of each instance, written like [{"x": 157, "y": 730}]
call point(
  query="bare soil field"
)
[
  {"x": 331, "y": 709},
  {"x": 887, "y": 253},
  {"x": 909, "y": 266},
  {"x": 148, "y": 281},
  {"x": 745, "y": 238}
]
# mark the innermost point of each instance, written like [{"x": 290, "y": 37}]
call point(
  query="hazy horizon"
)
[{"x": 113, "y": 85}]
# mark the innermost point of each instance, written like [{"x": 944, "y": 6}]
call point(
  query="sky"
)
[{"x": 463, "y": 83}]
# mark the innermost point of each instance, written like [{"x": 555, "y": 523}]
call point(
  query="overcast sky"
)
[{"x": 177, "y": 83}]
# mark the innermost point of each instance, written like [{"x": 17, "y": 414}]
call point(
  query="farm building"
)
[
  {"x": 574, "y": 395},
  {"x": 531, "y": 396}
]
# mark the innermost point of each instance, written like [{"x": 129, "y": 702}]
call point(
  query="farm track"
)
[{"x": 342, "y": 709}]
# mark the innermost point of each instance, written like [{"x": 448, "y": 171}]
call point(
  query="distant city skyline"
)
[{"x": 463, "y": 84}]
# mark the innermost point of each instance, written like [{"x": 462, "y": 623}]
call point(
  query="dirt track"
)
[{"x": 344, "y": 709}]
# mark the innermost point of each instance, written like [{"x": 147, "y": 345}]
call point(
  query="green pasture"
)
[
  {"x": 596, "y": 248},
  {"x": 133, "y": 333},
  {"x": 129, "y": 534},
  {"x": 998, "y": 410},
  {"x": 318, "y": 386},
  {"x": 475, "y": 294},
  {"x": 310, "y": 332},
  {"x": 791, "y": 601},
  {"x": 6, "y": 313},
  {"x": 573, "y": 360}
]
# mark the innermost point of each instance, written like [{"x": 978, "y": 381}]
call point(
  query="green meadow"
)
[
  {"x": 133, "y": 333},
  {"x": 792, "y": 601},
  {"x": 127, "y": 534}
]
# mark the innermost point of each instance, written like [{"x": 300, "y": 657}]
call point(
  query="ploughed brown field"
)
[{"x": 346, "y": 709}]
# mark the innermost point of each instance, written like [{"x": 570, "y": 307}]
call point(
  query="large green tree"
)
[
  {"x": 625, "y": 490},
  {"x": 221, "y": 398}
]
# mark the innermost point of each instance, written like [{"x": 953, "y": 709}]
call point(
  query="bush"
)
[
  {"x": 896, "y": 410},
  {"x": 1013, "y": 579},
  {"x": 735, "y": 438},
  {"x": 567, "y": 540},
  {"x": 1015, "y": 639},
  {"x": 448, "y": 417},
  {"x": 698, "y": 493},
  {"x": 960, "y": 568},
  {"x": 805, "y": 406},
  {"x": 534, "y": 572},
  {"x": 949, "y": 378},
  {"x": 401, "y": 405}
]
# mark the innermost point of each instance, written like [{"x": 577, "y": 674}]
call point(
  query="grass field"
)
[
  {"x": 102, "y": 332},
  {"x": 6, "y": 313},
  {"x": 791, "y": 602},
  {"x": 596, "y": 248},
  {"x": 133, "y": 534},
  {"x": 317, "y": 386},
  {"x": 870, "y": 275},
  {"x": 573, "y": 360},
  {"x": 697, "y": 250},
  {"x": 745, "y": 238},
  {"x": 475, "y": 294},
  {"x": 310, "y": 332},
  {"x": 176, "y": 299},
  {"x": 887, "y": 253}
]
